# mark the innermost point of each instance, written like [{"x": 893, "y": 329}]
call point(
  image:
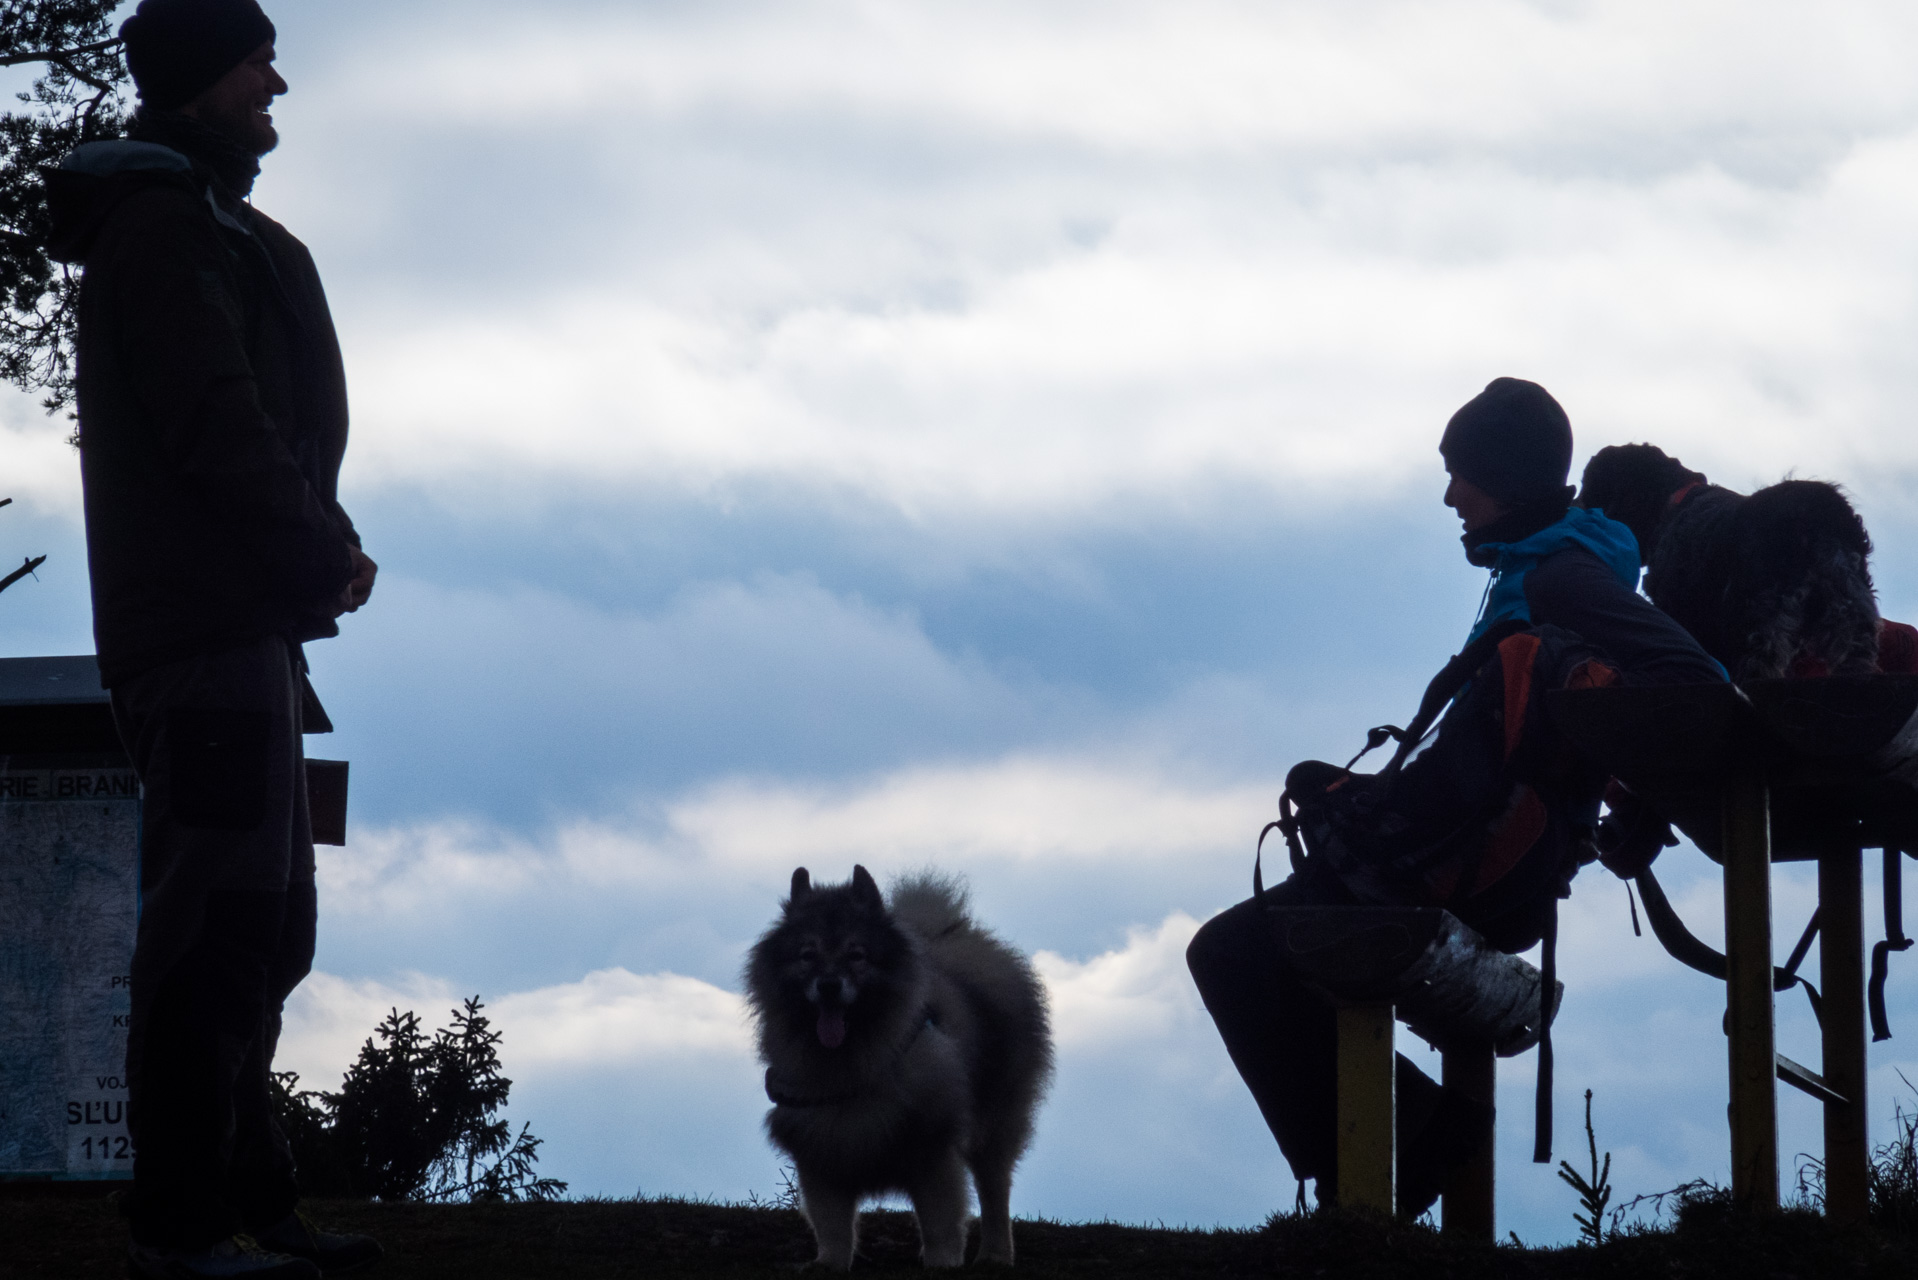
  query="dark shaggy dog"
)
[
  {"x": 904, "y": 1046},
  {"x": 1773, "y": 584}
]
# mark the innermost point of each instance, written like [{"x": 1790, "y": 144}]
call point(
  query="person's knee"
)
[
  {"x": 1221, "y": 946},
  {"x": 1201, "y": 954}
]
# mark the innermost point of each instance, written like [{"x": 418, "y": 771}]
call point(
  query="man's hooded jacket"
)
[{"x": 212, "y": 404}]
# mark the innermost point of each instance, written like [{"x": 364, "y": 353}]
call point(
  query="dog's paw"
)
[{"x": 944, "y": 1254}]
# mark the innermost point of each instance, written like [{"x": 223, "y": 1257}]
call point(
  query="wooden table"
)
[{"x": 1773, "y": 771}]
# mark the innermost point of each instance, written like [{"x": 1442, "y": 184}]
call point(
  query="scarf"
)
[{"x": 231, "y": 163}]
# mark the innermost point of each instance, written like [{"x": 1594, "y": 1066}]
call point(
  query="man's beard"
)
[{"x": 244, "y": 128}]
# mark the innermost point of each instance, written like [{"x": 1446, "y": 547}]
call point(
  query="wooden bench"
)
[
  {"x": 1773, "y": 771},
  {"x": 1420, "y": 966}
]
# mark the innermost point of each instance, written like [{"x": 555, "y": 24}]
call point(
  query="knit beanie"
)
[
  {"x": 1513, "y": 441},
  {"x": 177, "y": 49}
]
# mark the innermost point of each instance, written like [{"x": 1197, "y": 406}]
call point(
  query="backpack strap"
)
[
  {"x": 1547, "y": 1009},
  {"x": 1288, "y": 826},
  {"x": 1445, "y": 686}
]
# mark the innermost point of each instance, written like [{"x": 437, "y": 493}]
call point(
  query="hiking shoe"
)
[
  {"x": 238, "y": 1256},
  {"x": 335, "y": 1253}
]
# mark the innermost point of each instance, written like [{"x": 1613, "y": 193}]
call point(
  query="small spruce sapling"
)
[
  {"x": 1593, "y": 1193},
  {"x": 415, "y": 1119}
]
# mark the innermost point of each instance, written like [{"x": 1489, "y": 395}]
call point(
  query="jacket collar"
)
[
  {"x": 1518, "y": 523},
  {"x": 1613, "y": 544},
  {"x": 226, "y": 160}
]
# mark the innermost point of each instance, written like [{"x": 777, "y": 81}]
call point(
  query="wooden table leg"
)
[
  {"x": 1746, "y": 849},
  {"x": 1841, "y": 973},
  {"x": 1368, "y": 1089},
  {"x": 1472, "y": 1071}
]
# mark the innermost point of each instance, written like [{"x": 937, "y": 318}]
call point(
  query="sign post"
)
[{"x": 69, "y": 903}]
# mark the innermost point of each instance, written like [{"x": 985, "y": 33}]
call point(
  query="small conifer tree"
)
[{"x": 416, "y": 1118}]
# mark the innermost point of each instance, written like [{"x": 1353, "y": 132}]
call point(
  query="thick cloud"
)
[
  {"x": 1063, "y": 853},
  {"x": 984, "y": 256},
  {"x": 989, "y": 258}
]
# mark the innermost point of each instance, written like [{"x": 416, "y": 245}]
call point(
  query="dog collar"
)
[{"x": 1680, "y": 495}]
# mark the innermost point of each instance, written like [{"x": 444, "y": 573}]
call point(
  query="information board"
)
[{"x": 69, "y": 892}]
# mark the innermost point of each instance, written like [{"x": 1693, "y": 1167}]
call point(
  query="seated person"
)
[{"x": 1560, "y": 574}]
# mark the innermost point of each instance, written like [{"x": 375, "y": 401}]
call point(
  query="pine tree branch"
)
[
  {"x": 21, "y": 572},
  {"x": 62, "y": 57}
]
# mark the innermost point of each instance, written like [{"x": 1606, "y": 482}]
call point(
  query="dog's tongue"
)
[{"x": 832, "y": 1028}]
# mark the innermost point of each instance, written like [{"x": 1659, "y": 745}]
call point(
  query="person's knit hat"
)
[
  {"x": 1512, "y": 440},
  {"x": 178, "y": 49}
]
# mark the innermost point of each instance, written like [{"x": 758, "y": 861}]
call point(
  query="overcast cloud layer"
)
[{"x": 1002, "y": 436}]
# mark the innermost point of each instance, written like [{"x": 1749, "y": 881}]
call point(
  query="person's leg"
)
[
  {"x": 262, "y": 1170},
  {"x": 1281, "y": 1037},
  {"x": 208, "y": 737},
  {"x": 200, "y": 1030},
  {"x": 262, "y": 1173},
  {"x": 262, "y": 1177},
  {"x": 1284, "y": 1039}
]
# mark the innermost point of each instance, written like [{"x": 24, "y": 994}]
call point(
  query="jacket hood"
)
[
  {"x": 1613, "y": 544},
  {"x": 93, "y": 178}
]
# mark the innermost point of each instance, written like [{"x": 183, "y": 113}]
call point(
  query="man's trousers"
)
[
  {"x": 226, "y": 932},
  {"x": 1283, "y": 1039}
]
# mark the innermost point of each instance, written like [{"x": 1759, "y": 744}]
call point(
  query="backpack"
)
[{"x": 1490, "y": 821}]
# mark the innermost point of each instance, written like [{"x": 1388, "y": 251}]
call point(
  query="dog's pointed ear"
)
[
  {"x": 865, "y": 889},
  {"x": 802, "y": 884}
]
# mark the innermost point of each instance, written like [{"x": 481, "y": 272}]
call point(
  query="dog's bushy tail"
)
[{"x": 930, "y": 903}]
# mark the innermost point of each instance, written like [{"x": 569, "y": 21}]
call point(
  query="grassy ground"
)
[{"x": 79, "y": 1238}]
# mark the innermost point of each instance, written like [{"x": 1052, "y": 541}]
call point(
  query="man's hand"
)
[{"x": 361, "y": 588}]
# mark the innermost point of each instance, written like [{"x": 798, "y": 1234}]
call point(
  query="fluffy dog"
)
[
  {"x": 1773, "y": 584},
  {"x": 904, "y": 1045}
]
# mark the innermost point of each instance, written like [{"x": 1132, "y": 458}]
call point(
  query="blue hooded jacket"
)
[{"x": 1598, "y": 533}]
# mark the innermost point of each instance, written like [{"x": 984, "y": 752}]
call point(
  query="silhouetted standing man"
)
[{"x": 212, "y": 405}]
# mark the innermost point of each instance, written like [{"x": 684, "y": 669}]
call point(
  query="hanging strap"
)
[
  {"x": 1895, "y": 940},
  {"x": 1258, "y": 851},
  {"x": 1685, "y": 947},
  {"x": 1547, "y": 998},
  {"x": 1288, "y": 826}
]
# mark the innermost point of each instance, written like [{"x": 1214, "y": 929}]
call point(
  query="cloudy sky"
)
[{"x": 1001, "y": 436}]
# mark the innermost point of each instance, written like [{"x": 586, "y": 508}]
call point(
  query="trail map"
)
[{"x": 69, "y": 880}]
